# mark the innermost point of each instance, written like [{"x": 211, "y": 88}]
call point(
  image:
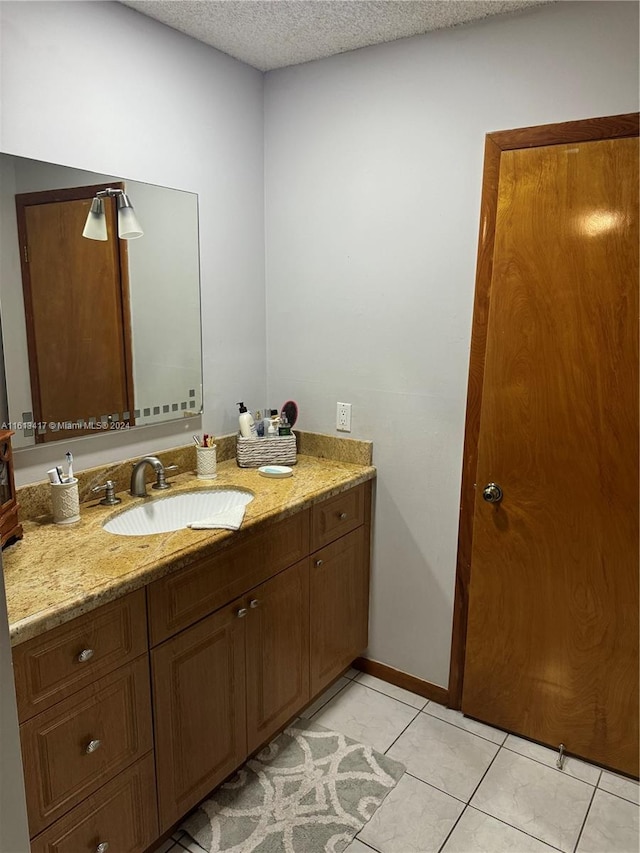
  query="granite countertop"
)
[{"x": 58, "y": 572}]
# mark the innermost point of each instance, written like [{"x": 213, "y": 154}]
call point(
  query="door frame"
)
[{"x": 585, "y": 130}]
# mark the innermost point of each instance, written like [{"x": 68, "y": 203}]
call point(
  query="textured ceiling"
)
[{"x": 273, "y": 33}]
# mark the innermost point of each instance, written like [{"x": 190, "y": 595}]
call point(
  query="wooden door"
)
[
  {"x": 199, "y": 709},
  {"x": 277, "y": 652},
  {"x": 339, "y": 606},
  {"x": 76, "y": 311},
  {"x": 552, "y": 635}
]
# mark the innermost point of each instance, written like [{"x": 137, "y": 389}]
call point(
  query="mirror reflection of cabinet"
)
[{"x": 10, "y": 528}]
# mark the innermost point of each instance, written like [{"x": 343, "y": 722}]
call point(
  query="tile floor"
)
[{"x": 470, "y": 788}]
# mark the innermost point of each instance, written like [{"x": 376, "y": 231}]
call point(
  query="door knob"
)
[{"x": 492, "y": 493}]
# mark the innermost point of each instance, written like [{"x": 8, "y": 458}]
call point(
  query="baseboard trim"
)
[{"x": 402, "y": 679}]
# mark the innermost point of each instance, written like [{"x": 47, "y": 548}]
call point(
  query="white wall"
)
[
  {"x": 373, "y": 178},
  {"x": 100, "y": 87}
]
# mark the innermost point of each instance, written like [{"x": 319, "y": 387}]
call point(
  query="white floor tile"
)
[
  {"x": 414, "y": 818},
  {"x": 351, "y": 673},
  {"x": 357, "y": 847},
  {"x": 611, "y": 827},
  {"x": 476, "y": 832},
  {"x": 322, "y": 700},
  {"x": 572, "y": 766},
  {"x": 443, "y": 755},
  {"x": 457, "y": 718},
  {"x": 366, "y": 716},
  {"x": 536, "y": 799},
  {"x": 391, "y": 690},
  {"x": 620, "y": 786}
]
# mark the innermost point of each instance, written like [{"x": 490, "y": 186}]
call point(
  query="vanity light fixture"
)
[{"x": 95, "y": 227}]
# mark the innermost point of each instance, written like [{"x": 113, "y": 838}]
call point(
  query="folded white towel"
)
[{"x": 230, "y": 519}]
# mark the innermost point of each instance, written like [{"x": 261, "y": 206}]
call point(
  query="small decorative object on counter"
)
[
  {"x": 206, "y": 462},
  {"x": 65, "y": 501},
  {"x": 255, "y": 452}
]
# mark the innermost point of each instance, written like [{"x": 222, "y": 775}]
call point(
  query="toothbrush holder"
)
[
  {"x": 206, "y": 463},
  {"x": 66, "y": 502}
]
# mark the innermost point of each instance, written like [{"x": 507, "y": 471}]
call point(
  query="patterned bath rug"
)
[{"x": 310, "y": 791}]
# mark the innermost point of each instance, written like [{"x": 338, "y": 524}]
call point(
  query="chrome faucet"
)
[{"x": 138, "y": 483}]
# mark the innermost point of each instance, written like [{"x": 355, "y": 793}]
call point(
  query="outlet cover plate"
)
[{"x": 343, "y": 417}]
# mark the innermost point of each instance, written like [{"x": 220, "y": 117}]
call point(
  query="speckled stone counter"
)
[{"x": 58, "y": 572}]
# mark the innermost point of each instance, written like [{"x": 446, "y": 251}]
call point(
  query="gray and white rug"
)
[{"x": 310, "y": 791}]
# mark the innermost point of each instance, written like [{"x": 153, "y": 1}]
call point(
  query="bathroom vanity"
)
[{"x": 139, "y": 695}]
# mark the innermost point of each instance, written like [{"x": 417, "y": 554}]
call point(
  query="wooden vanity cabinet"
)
[
  {"x": 240, "y": 643},
  {"x": 277, "y": 653},
  {"x": 339, "y": 607},
  {"x": 199, "y": 708},
  {"x": 84, "y": 707}
]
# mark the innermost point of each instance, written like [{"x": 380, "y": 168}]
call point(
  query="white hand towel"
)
[{"x": 230, "y": 519}]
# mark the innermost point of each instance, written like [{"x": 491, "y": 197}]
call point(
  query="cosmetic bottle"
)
[
  {"x": 247, "y": 423},
  {"x": 259, "y": 423},
  {"x": 274, "y": 421},
  {"x": 284, "y": 428}
]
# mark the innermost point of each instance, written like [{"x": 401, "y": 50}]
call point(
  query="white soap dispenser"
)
[{"x": 247, "y": 423}]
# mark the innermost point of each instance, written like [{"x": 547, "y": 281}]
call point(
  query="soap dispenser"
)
[{"x": 247, "y": 423}]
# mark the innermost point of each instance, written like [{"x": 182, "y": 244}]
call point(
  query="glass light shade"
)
[
  {"x": 128, "y": 225},
  {"x": 95, "y": 228}
]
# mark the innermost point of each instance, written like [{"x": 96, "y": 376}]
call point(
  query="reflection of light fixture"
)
[
  {"x": 95, "y": 227},
  {"x": 600, "y": 222}
]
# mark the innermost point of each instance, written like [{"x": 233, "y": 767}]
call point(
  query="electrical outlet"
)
[{"x": 343, "y": 417}]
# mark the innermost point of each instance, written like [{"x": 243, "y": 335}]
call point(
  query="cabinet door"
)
[
  {"x": 277, "y": 652},
  {"x": 120, "y": 817},
  {"x": 199, "y": 702},
  {"x": 339, "y": 606}
]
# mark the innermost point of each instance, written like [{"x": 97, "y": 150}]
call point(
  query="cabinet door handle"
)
[
  {"x": 92, "y": 746},
  {"x": 102, "y": 847},
  {"x": 342, "y": 516},
  {"x": 254, "y": 603},
  {"x": 242, "y": 612},
  {"x": 318, "y": 563},
  {"x": 85, "y": 655}
]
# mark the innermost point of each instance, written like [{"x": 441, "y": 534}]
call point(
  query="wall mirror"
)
[{"x": 97, "y": 335}]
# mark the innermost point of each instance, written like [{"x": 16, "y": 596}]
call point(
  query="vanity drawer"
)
[
  {"x": 336, "y": 516},
  {"x": 55, "y": 665},
  {"x": 180, "y": 599},
  {"x": 70, "y": 750},
  {"x": 122, "y": 815}
]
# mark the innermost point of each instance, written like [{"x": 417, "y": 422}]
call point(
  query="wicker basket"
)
[{"x": 254, "y": 452}]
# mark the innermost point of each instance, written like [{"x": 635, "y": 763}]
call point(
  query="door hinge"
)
[{"x": 26, "y": 253}]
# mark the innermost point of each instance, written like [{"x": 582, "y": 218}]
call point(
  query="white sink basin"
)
[{"x": 173, "y": 513}]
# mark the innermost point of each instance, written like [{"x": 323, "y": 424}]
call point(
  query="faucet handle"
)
[
  {"x": 161, "y": 482},
  {"x": 109, "y": 490}
]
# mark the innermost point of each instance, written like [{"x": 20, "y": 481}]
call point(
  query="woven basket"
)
[{"x": 254, "y": 452}]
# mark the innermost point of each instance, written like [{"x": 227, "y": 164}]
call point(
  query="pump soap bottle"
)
[{"x": 247, "y": 423}]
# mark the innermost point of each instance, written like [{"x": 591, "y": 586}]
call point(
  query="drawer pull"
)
[
  {"x": 92, "y": 746},
  {"x": 342, "y": 516},
  {"x": 318, "y": 563},
  {"x": 102, "y": 847},
  {"x": 242, "y": 612},
  {"x": 85, "y": 655},
  {"x": 254, "y": 603}
]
